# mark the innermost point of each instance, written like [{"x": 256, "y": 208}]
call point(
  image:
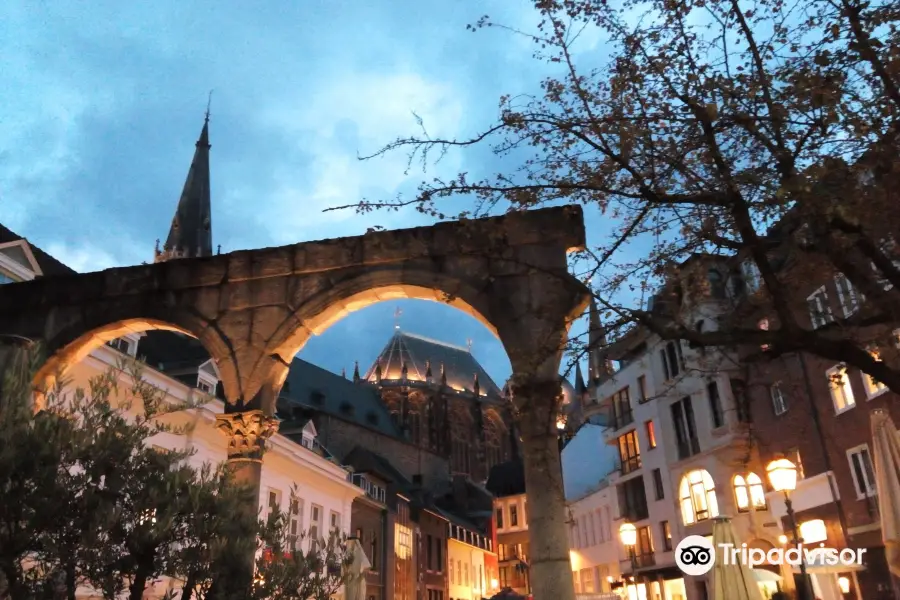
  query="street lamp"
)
[
  {"x": 783, "y": 477},
  {"x": 628, "y": 535}
]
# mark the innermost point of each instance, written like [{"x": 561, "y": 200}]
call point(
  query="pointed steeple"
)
[
  {"x": 443, "y": 375},
  {"x": 190, "y": 234},
  {"x": 599, "y": 367},
  {"x": 344, "y": 372},
  {"x": 428, "y": 375},
  {"x": 580, "y": 388},
  {"x": 476, "y": 388},
  {"x": 356, "y": 372}
]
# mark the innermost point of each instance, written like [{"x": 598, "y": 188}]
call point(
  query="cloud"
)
[
  {"x": 355, "y": 113},
  {"x": 82, "y": 257}
]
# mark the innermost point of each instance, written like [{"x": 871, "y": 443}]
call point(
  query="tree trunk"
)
[
  {"x": 139, "y": 583},
  {"x": 11, "y": 576},
  {"x": 188, "y": 589},
  {"x": 70, "y": 582},
  {"x": 549, "y": 564}
]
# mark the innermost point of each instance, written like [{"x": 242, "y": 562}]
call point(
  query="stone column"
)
[
  {"x": 537, "y": 404},
  {"x": 247, "y": 433}
]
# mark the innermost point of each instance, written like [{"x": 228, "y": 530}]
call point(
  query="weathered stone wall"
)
[
  {"x": 340, "y": 437},
  {"x": 253, "y": 310}
]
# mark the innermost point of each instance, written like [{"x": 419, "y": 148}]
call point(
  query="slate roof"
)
[
  {"x": 418, "y": 352},
  {"x": 507, "y": 479},
  {"x": 367, "y": 461},
  {"x": 321, "y": 390},
  {"x": 49, "y": 265}
]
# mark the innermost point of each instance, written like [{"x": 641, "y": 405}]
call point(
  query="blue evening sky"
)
[{"x": 102, "y": 102}]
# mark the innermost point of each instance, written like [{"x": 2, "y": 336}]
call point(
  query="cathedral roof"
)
[
  {"x": 418, "y": 353},
  {"x": 324, "y": 391}
]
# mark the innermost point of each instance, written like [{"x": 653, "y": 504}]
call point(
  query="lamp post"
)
[
  {"x": 783, "y": 477},
  {"x": 628, "y": 535}
]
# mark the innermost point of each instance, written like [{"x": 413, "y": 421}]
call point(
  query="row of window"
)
[
  {"x": 296, "y": 513},
  {"x": 590, "y": 529},
  {"x": 373, "y": 490},
  {"x": 458, "y": 532},
  {"x": 820, "y": 313},
  {"x": 515, "y": 520},
  {"x": 592, "y": 581},
  {"x": 460, "y": 575}
]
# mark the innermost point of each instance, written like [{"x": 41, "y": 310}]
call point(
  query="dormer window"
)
[
  {"x": 308, "y": 436},
  {"x": 127, "y": 345},
  {"x": 205, "y": 386}
]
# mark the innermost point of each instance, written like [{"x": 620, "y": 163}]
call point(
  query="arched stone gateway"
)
[{"x": 253, "y": 310}]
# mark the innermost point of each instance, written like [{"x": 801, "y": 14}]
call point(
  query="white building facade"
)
[{"x": 594, "y": 544}]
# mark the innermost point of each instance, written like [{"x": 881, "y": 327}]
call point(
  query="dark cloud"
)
[{"x": 104, "y": 103}]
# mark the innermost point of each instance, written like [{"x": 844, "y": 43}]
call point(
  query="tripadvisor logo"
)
[{"x": 695, "y": 555}]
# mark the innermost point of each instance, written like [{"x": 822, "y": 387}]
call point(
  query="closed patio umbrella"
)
[
  {"x": 886, "y": 454},
  {"x": 355, "y": 584},
  {"x": 730, "y": 581}
]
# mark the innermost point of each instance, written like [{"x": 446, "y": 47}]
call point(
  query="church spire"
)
[
  {"x": 356, "y": 372},
  {"x": 579, "y": 381},
  {"x": 190, "y": 234},
  {"x": 599, "y": 367}
]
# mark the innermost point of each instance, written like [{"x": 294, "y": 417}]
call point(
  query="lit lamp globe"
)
[
  {"x": 628, "y": 534},
  {"x": 560, "y": 423},
  {"x": 782, "y": 475}
]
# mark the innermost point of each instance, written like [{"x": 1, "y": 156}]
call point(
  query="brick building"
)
[{"x": 817, "y": 413}]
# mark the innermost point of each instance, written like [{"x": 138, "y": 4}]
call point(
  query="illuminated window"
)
[
  {"x": 841, "y": 392},
  {"x": 697, "y": 496},
  {"x": 749, "y": 492},
  {"x": 873, "y": 386},
  {"x": 651, "y": 435}
]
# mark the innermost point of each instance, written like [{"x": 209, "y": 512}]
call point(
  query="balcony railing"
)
[
  {"x": 630, "y": 464},
  {"x": 621, "y": 417},
  {"x": 638, "y": 561}
]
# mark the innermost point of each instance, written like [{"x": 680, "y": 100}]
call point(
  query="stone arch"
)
[
  {"x": 322, "y": 310},
  {"x": 71, "y": 344}
]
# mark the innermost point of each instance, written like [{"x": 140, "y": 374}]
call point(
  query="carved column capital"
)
[{"x": 247, "y": 433}]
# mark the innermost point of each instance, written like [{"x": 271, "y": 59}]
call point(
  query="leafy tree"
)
[
  {"x": 709, "y": 122},
  {"x": 86, "y": 499},
  {"x": 699, "y": 127},
  {"x": 221, "y": 531}
]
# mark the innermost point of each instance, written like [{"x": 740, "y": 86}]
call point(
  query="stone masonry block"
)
[{"x": 274, "y": 262}]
